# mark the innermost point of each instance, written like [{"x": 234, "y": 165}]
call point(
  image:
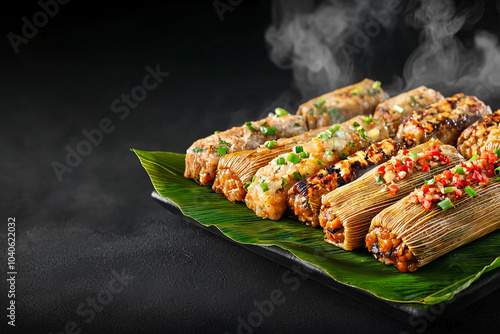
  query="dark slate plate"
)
[{"x": 410, "y": 313}]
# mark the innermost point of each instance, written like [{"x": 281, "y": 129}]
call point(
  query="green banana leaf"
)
[{"x": 436, "y": 282}]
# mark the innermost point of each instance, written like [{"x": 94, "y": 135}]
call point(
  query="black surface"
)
[{"x": 71, "y": 235}]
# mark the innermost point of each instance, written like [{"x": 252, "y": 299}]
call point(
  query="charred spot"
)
[
  {"x": 383, "y": 110},
  {"x": 341, "y": 182},
  {"x": 332, "y": 170},
  {"x": 334, "y": 230},
  {"x": 453, "y": 103},
  {"x": 327, "y": 180},
  {"x": 381, "y": 151},
  {"x": 302, "y": 186}
]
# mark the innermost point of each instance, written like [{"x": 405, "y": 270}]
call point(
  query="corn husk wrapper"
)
[
  {"x": 431, "y": 234},
  {"x": 357, "y": 203}
]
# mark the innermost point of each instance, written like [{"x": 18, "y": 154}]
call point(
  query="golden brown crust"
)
[
  {"x": 343, "y": 104},
  {"x": 443, "y": 120},
  {"x": 395, "y": 109},
  {"x": 202, "y": 156},
  {"x": 482, "y": 135}
]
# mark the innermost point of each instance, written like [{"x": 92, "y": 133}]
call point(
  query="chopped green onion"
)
[
  {"x": 329, "y": 152},
  {"x": 319, "y": 162},
  {"x": 297, "y": 176},
  {"x": 385, "y": 123},
  {"x": 280, "y": 112},
  {"x": 247, "y": 185},
  {"x": 253, "y": 178},
  {"x": 319, "y": 102},
  {"x": 323, "y": 136},
  {"x": 413, "y": 101},
  {"x": 403, "y": 160},
  {"x": 298, "y": 149},
  {"x": 249, "y": 126},
  {"x": 422, "y": 105},
  {"x": 281, "y": 161},
  {"x": 304, "y": 155},
  {"x": 334, "y": 113},
  {"x": 293, "y": 158},
  {"x": 399, "y": 109},
  {"x": 459, "y": 170},
  {"x": 497, "y": 152},
  {"x": 270, "y": 144},
  {"x": 221, "y": 150},
  {"x": 221, "y": 142},
  {"x": 413, "y": 155},
  {"x": 362, "y": 132},
  {"x": 368, "y": 120},
  {"x": 296, "y": 125},
  {"x": 264, "y": 186},
  {"x": 445, "y": 204},
  {"x": 198, "y": 149},
  {"x": 448, "y": 190},
  {"x": 331, "y": 131},
  {"x": 430, "y": 182},
  {"x": 269, "y": 131},
  {"x": 355, "y": 125},
  {"x": 497, "y": 171},
  {"x": 350, "y": 143},
  {"x": 343, "y": 156},
  {"x": 216, "y": 132},
  {"x": 357, "y": 91},
  {"x": 284, "y": 182},
  {"x": 474, "y": 157},
  {"x": 470, "y": 191},
  {"x": 376, "y": 85},
  {"x": 380, "y": 179}
]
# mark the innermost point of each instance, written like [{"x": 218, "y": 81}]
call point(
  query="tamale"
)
[
  {"x": 443, "y": 120},
  {"x": 346, "y": 213},
  {"x": 304, "y": 198},
  {"x": 482, "y": 135},
  {"x": 203, "y": 155},
  {"x": 268, "y": 189},
  {"x": 343, "y": 104},
  {"x": 395, "y": 109},
  {"x": 462, "y": 205}
]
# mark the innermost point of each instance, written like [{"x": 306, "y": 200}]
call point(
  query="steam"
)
[
  {"x": 307, "y": 38},
  {"x": 312, "y": 39},
  {"x": 443, "y": 62}
]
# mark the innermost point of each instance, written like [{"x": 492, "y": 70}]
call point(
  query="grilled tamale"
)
[
  {"x": 443, "y": 120},
  {"x": 395, "y": 109},
  {"x": 346, "y": 213},
  {"x": 482, "y": 135},
  {"x": 462, "y": 205},
  {"x": 343, "y": 104}
]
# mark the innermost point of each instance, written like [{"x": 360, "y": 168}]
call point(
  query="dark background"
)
[{"x": 72, "y": 234}]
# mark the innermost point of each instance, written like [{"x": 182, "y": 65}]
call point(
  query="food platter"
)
[{"x": 442, "y": 287}]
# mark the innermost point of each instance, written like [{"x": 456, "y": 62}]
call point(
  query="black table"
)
[{"x": 94, "y": 252}]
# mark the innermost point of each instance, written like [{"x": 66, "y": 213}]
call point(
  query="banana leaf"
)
[{"x": 436, "y": 282}]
